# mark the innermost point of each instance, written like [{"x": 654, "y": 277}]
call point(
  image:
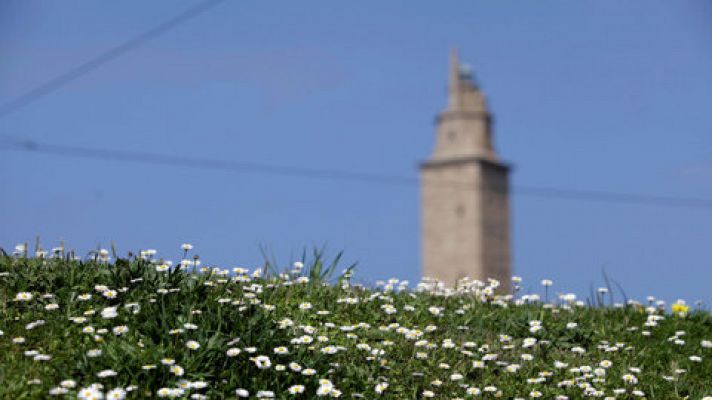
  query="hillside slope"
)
[{"x": 139, "y": 328}]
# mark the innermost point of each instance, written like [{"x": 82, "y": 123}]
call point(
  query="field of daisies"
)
[{"x": 140, "y": 326}]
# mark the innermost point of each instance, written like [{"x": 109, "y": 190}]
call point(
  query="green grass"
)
[{"x": 370, "y": 345}]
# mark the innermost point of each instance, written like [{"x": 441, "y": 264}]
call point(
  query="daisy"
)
[
  {"x": 296, "y": 389},
  {"x": 177, "y": 370},
  {"x": 107, "y": 373},
  {"x": 120, "y": 330},
  {"x": 24, "y": 296},
  {"x": 116, "y": 394},
  {"x": 262, "y": 362},
  {"x": 90, "y": 393}
]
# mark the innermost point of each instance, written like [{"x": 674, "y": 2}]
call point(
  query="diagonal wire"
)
[
  {"x": 108, "y": 56},
  {"x": 18, "y": 144}
]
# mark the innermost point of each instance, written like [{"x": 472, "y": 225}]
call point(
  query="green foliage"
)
[{"x": 416, "y": 341}]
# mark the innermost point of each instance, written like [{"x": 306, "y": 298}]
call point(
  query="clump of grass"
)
[{"x": 138, "y": 327}]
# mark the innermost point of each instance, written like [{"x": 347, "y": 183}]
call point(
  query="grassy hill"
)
[{"x": 139, "y": 328}]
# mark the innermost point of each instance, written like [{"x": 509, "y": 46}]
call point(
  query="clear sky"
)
[{"x": 589, "y": 95}]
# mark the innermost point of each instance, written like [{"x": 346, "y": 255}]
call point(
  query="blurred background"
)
[{"x": 282, "y": 125}]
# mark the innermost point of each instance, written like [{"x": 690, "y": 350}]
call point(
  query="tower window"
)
[{"x": 460, "y": 210}]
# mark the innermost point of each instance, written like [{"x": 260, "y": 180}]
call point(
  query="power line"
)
[
  {"x": 110, "y": 55},
  {"x": 201, "y": 163},
  {"x": 18, "y": 144},
  {"x": 614, "y": 197}
]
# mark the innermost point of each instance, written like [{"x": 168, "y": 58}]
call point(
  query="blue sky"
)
[{"x": 591, "y": 95}]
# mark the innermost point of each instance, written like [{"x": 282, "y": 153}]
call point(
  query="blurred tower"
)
[{"x": 464, "y": 188}]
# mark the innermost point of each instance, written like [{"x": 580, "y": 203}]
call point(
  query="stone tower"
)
[{"x": 464, "y": 188}]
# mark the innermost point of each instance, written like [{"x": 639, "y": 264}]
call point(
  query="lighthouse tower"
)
[{"x": 464, "y": 188}]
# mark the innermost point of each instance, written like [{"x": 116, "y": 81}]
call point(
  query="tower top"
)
[
  {"x": 464, "y": 95},
  {"x": 464, "y": 127}
]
